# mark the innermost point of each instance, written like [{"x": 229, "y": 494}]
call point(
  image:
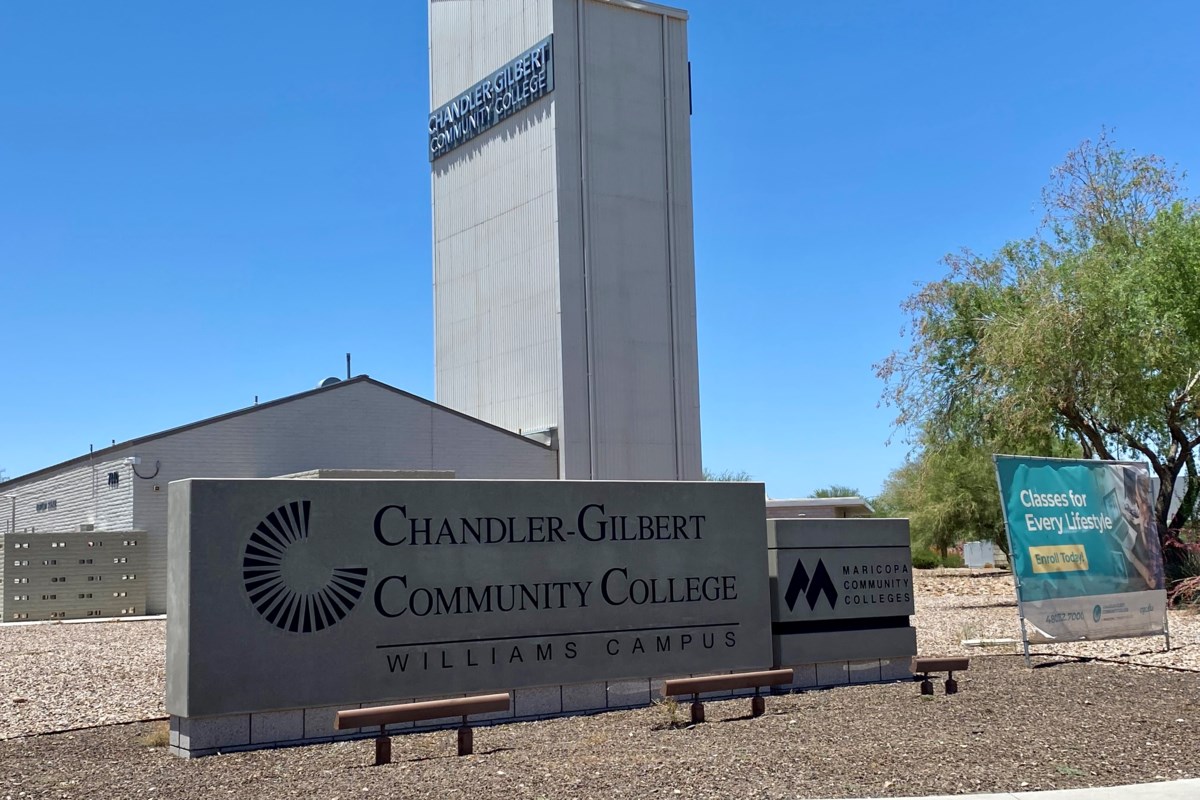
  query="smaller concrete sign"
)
[{"x": 841, "y": 590}]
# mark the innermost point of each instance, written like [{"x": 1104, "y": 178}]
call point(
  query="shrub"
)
[
  {"x": 1183, "y": 576},
  {"x": 952, "y": 560},
  {"x": 924, "y": 558},
  {"x": 1185, "y": 592},
  {"x": 159, "y": 735}
]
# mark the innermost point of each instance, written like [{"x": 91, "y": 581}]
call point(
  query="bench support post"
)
[
  {"x": 697, "y": 710},
  {"x": 383, "y": 747},
  {"x": 951, "y": 684},
  {"x": 758, "y": 705},
  {"x": 466, "y": 739},
  {"x": 926, "y": 685}
]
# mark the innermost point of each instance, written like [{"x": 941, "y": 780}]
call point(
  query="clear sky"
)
[{"x": 205, "y": 202}]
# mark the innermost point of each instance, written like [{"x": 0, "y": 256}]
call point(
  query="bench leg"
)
[
  {"x": 697, "y": 710},
  {"x": 383, "y": 748},
  {"x": 951, "y": 684},
  {"x": 466, "y": 740},
  {"x": 926, "y": 685},
  {"x": 758, "y": 705}
]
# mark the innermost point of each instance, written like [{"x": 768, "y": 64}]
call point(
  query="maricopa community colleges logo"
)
[
  {"x": 267, "y": 584},
  {"x": 812, "y": 588}
]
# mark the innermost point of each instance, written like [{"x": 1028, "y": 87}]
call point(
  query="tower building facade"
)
[{"x": 564, "y": 282}]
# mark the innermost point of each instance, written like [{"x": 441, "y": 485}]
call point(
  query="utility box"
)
[{"x": 983, "y": 555}]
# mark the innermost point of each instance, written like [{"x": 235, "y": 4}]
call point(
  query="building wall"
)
[
  {"x": 355, "y": 425},
  {"x": 62, "y": 502},
  {"x": 564, "y": 285},
  {"x": 79, "y": 495},
  {"x": 628, "y": 296},
  {"x": 808, "y": 512},
  {"x": 495, "y": 280}
]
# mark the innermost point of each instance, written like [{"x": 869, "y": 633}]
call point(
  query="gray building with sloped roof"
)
[{"x": 119, "y": 494}]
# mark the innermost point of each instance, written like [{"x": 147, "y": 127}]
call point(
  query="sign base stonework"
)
[{"x": 193, "y": 738}]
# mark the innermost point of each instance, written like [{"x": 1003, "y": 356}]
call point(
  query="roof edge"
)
[
  {"x": 653, "y": 8},
  {"x": 112, "y": 449}
]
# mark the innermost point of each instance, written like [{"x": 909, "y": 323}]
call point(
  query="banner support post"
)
[{"x": 1012, "y": 566}]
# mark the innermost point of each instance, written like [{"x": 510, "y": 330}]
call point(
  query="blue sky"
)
[{"x": 201, "y": 203}]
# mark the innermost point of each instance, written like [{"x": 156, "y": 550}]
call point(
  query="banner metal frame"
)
[{"x": 1166, "y": 631}]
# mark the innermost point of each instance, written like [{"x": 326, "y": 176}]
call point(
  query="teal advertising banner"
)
[{"x": 1085, "y": 552}]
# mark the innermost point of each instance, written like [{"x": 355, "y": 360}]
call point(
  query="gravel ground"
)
[
  {"x": 1067, "y": 723},
  {"x": 954, "y": 605}
]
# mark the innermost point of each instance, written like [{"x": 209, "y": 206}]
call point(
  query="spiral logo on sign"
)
[{"x": 285, "y": 606}]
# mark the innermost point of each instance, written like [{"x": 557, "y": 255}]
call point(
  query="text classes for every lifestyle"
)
[{"x": 1074, "y": 521}]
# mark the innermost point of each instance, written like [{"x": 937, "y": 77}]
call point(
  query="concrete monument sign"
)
[
  {"x": 841, "y": 590},
  {"x": 298, "y": 593}
]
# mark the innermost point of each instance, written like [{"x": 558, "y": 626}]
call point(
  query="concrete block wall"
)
[
  {"x": 73, "y": 575},
  {"x": 60, "y": 502},
  {"x": 192, "y": 738}
]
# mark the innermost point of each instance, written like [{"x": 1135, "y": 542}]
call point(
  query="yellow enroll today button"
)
[{"x": 1059, "y": 558}]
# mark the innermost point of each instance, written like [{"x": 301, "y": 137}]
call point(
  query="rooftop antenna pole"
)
[
  {"x": 347, "y": 366},
  {"x": 92, "y": 464}
]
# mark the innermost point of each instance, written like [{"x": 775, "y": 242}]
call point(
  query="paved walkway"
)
[{"x": 1171, "y": 790}]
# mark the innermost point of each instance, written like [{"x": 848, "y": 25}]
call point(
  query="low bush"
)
[
  {"x": 924, "y": 558},
  {"x": 159, "y": 735},
  {"x": 952, "y": 560},
  {"x": 1185, "y": 592},
  {"x": 1183, "y": 575}
]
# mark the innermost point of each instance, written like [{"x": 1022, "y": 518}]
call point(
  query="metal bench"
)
[
  {"x": 923, "y": 666},
  {"x": 721, "y": 683},
  {"x": 415, "y": 712}
]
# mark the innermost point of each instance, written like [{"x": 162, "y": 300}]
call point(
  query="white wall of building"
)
[
  {"x": 79, "y": 495},
  {"x": 494, "y": 241}
]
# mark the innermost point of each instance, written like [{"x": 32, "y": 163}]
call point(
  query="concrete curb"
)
[{"x": 1167, "y": 790}]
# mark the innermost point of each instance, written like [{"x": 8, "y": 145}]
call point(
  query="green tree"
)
[
  {"x": 727, "y": 475},
  {"x": 1087, "y": 331},
  {"x": 949, "y": 496},
  {"x": 836, "y": 490}
]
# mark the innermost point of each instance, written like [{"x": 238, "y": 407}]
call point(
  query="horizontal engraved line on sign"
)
[
  {"x": 559, "y": 635},
  {"x": 838, "y": 625},
  {"x": 845, "y": 547}
]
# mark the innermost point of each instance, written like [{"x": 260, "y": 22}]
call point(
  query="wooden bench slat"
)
[
  {"x": 414, "y": 712},
  {"x": 719, "y": 683},
  {"x": 923, "y": 665}
]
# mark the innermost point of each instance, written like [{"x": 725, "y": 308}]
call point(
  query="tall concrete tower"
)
[{"x": 564, "y": 282}]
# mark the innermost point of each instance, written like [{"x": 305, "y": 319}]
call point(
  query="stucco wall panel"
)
[
  {"x": 495, "y": 276},
  {"x": 80, "y": 495}
]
